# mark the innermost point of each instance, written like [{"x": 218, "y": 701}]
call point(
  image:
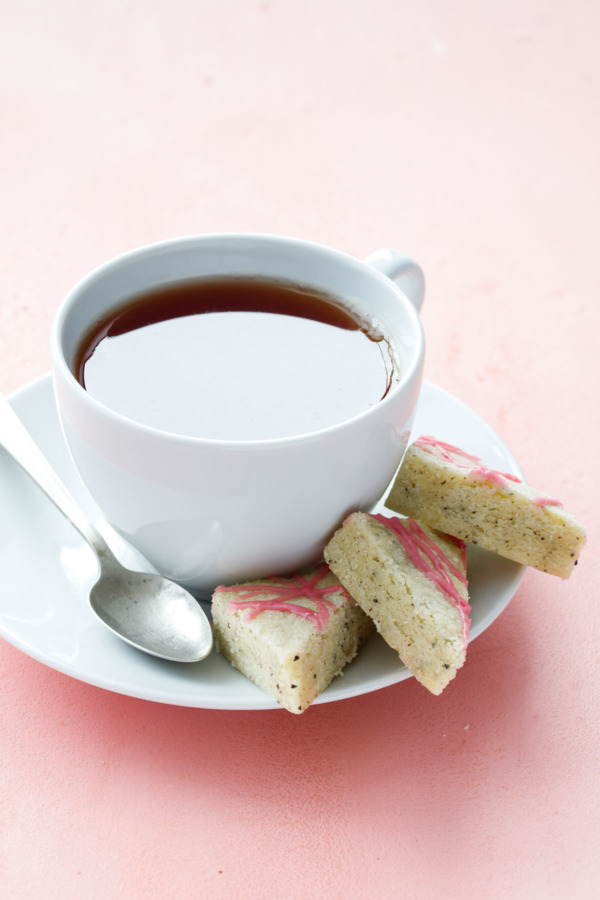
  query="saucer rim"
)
[{"x": 256, "y": 699}]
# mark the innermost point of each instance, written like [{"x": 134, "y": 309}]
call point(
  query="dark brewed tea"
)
[{"x": 235, "y": 358}]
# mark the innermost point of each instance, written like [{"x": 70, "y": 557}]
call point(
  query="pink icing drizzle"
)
[
  {"x": 546, "y": 501},
  {"x": 455, "y": 455},
  {"x": 493, "y": 475},
  {"x": 462, "y": 548},
  {"x": 430, "y": 559},
  {"x": 285, "y": 591},
  {"x": 444, "y": 451},
  {"x": 458, "y": 457}
]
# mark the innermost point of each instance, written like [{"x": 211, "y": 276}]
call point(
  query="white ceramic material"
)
[
  {"x": 206, "y": 512},
  {"x": 47, "y": 569},
  {"x": 149, "y": 611}
]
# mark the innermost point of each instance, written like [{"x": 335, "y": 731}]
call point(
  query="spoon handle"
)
[{"x": 17, "y": 441}]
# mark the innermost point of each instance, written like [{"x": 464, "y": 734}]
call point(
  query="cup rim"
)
[{"x": 413, "y": 370}]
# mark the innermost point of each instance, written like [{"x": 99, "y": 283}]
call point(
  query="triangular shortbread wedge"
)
[
  {"x": 290, "y": 636},
  {"x": 412, "y": 582},
  {"x": 453, "y": 491}
]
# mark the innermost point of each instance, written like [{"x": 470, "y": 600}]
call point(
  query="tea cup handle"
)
[{"x": 406, "y": 273}]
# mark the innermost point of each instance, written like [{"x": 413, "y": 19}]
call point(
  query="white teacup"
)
[{"x": 204, "y": 511}]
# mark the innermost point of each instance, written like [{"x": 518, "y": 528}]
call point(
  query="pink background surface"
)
[{"x": 468, "y": 135}]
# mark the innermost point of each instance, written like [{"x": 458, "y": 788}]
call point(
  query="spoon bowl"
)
[
  {"x": 151, "y": 613},
  {"x": 148, "y": 611}
]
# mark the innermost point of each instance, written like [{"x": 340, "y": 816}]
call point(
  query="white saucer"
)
[{"x": 47, "y": 570}]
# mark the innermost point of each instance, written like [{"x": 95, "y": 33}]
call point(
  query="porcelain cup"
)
[{"x": 207, "y": 512}]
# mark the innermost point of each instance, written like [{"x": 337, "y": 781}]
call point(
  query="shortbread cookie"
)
[
  {"x": 453, "y": 491},
  {"x": 290, "y": 636},
  {"x": 412, "y": 582}
]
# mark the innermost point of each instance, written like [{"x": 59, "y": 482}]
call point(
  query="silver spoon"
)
[{"x": 148, "y": 611}]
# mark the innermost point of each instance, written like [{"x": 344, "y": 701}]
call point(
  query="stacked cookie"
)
[{"x": 454, "y": 492}]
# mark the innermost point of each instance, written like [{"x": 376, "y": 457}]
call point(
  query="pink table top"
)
[{"x": 468, "y": 136}]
